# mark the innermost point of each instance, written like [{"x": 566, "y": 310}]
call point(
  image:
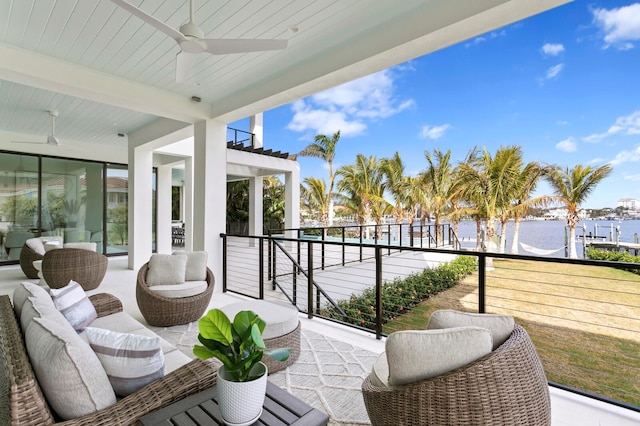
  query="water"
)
[{"x": 550, "y": 234}]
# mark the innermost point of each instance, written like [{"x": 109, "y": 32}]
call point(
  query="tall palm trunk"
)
[
  {"x": 503, "y": 235},
  {"x": 572, "y": 222},
  {"x": 516, "y": 235}
]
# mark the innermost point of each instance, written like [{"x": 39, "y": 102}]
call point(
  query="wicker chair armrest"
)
[
  {"x": 106, "y": 304},
  {"x": 191, "y": 378}
]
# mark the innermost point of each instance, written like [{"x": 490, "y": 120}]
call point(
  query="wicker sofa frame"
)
[
  {"x": 27, "y": 257},
  {"x": 163, "y": 311},
  {"x": 22, "y": 401},
  {"x": 86, "y": 267},
  {"x": 506, "y": 387}
]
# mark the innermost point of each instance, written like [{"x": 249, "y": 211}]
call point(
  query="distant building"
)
[{"x": 629, "y": 203}]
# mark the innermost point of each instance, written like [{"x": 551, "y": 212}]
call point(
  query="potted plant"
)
[{"x": 242, "y": 379}]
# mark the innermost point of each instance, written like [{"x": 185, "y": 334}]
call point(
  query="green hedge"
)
[
  {"x": 401, "y": 294},
  {"x": 613, "y": 256}
]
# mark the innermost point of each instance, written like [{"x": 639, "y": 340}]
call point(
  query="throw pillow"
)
[
  {"x": 73, "y": 303},
  {"x": 196, "y": 269},
  {"x": 68, "y": 371},
  {"x": 500, "y": 326},
  {"x": 131, "y": 361},
  {"x": 416, "y": 355},
  {"x": 166, "y": 269},
  {"x": 36, "y": 245}
]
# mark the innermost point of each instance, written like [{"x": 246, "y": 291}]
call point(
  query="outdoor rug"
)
[{"x": 327, "y": 375}]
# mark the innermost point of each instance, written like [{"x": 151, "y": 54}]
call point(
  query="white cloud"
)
[
  {"x": 562, "y": 122},
  {"x": 567, "y": 145},
  {"x": 635, "y": 178},
  {"x": 348, "y": 107},
  {"x": 627, "y": 157},
  {"x": 554, "y": 71},
  {"x": 434, "y": 132},
  {"x": 621, "y": 25},
  {"x": 628, "y": 126},
  {"x": 550, "y": 49}
]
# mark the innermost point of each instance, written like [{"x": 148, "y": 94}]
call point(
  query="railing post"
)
[
  {"x": 261, "y": 268},
  {"x": 344, "y": 248},
  {"x": 310, "y": 280},
  {"x": 299, "y": 235},
  {"x": 482, "y": 265},
  {"x": 224, "y": 263},
  {"x": 421, "y": 234},
  {"x": 269, "y": 275},
  {"x": 360, "y": 244},
  {"x": 400, "y": 236},
  {"x": 378, "y": 292},
  {"x": 411, "y": 235},
  {"x": 322, "y": 250},
  {"x": 389, "y": 238}
]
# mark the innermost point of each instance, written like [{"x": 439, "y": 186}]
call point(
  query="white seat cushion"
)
[
  {"x": 415, "y": 355},
  {"x": 176, "y": 291},
  {"x": 82, "y": 246},
  {"x": 69, "y": 372},
  {"x": 500, "y": 326},
  {"x": 281, "y": 318},
  {"x": 380, "y": 371}
]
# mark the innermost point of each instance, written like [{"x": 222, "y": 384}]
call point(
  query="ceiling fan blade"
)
[
  {"x": 159, "y": 25},
  {"x": 226, "y": 46},
  {"x": 33, "y": 142},
  {"x": 184, "y": 65}
]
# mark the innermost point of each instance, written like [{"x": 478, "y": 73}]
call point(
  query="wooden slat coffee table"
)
[{"x": 280, "y": 408}]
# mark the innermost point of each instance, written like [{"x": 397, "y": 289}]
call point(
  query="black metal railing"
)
[
  {"x": 240, "y": 137},
  {"x": 585, "y": 322}
]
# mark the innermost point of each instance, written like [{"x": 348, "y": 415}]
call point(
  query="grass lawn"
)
[{"x": 584, "y": 320}]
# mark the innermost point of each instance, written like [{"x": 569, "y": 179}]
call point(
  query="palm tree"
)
[
  {"x": 439, "y": 181},
  {"x": 362, "y": 183},
  {"x": 397, "y": 184},
  {"x": 313, "y": 197},
  {"x": 488, "y": 183},
  {"x": 572, "y": 187},
  {"x": 527, "y": 182},
  {"x": 325, "y": 148}
]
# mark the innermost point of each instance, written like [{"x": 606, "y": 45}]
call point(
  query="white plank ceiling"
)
[{"x": 336, "y": 41}]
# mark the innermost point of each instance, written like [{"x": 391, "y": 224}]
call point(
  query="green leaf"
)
[
  {"x": 279, "y": 354},
  {"x": 202, "y": 352},
  {"x": 216, "y": 326},
  {"x": 256, "y": 335}
]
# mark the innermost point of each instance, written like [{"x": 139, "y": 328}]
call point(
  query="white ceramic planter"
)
[{"x": 241, "y": 402}]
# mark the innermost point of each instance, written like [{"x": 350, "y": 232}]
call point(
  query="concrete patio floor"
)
[{"x": 322, "y": 340}]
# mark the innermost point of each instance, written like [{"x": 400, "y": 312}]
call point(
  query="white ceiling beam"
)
[{"x": 44, "y": 72}]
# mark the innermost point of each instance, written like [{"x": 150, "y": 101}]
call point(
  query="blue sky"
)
[{"x": 564, "y": 85}]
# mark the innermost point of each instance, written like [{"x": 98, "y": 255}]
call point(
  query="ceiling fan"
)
[
  {"x": 192, "y": 42},
  {"x": 51, "y": 139}
]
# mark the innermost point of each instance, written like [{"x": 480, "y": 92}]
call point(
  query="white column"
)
[
  {"x": 256, "y": 127},
  {"x": 255, "y": 205},
  {"x": 210, "y": 192},
  {"x": 140, "y": 206},
  {"x": 163, "y": 213},
  {"x": 292, "y": 199},
  {"x": 187, "y": 197}
]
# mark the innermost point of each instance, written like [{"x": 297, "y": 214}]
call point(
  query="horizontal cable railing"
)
[{"x": 583, "y": 316}]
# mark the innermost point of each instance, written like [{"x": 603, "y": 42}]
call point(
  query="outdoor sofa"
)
[{"x": 22, "y": 395}]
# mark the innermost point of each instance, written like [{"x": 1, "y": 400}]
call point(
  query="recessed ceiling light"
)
[{"x": 294, "y": 29}]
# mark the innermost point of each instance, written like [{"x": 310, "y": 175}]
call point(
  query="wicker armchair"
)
[
  {"x": 23, "y": 403},
  {"x": 85, "y": 267},
  {"x": 506, "y": 387},
  {"x": 163, "y": 311},
  {"x": 27, "y": 256}
]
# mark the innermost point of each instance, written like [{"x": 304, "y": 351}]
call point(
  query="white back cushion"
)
[
  {"x": 500, "y": 326},
  {"x": 69, "y": 372},
  {"x": 22, "y": 292},
  {"x": 166, "y": 269},
  {"x": 416, "y": 355},
  {"x": 36, "y": 245}
]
